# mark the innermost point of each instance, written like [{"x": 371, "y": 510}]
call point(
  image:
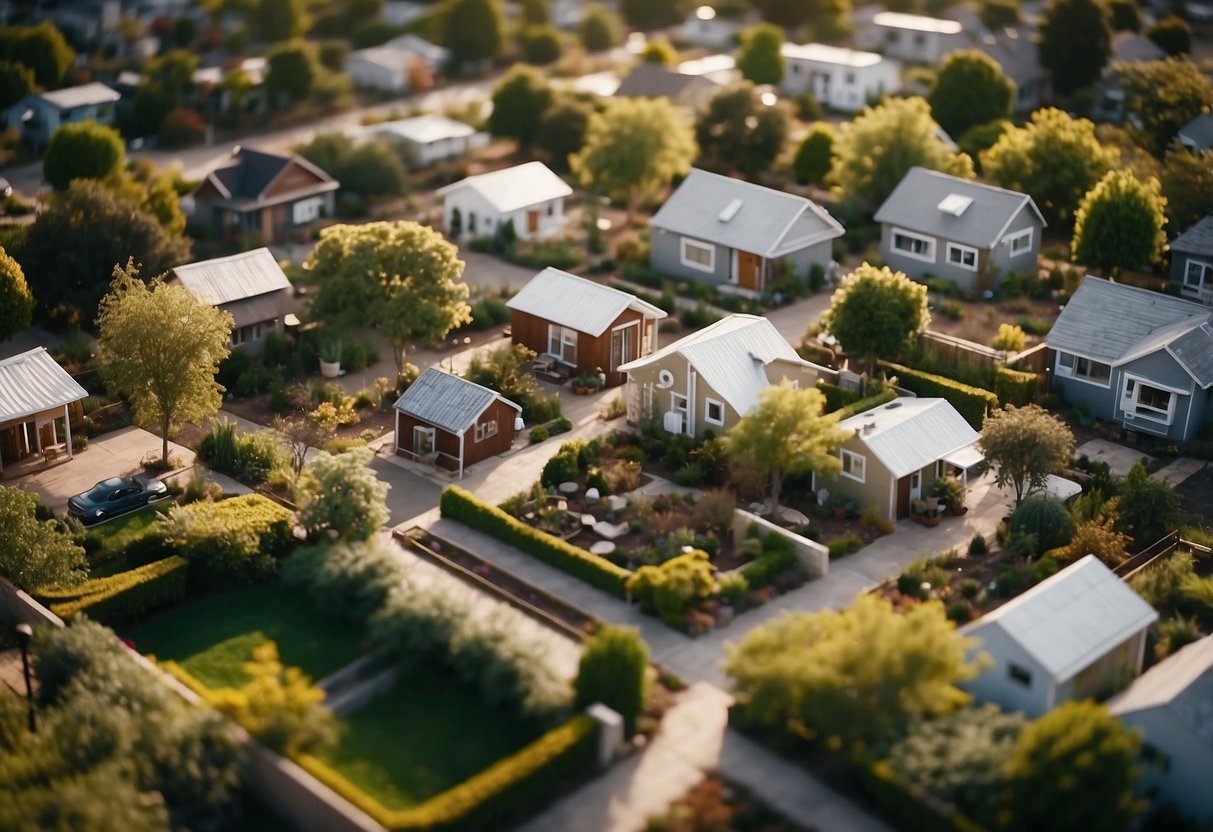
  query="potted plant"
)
[
  {"x": 926, "y": 515},
  {"x": 585, "y": 384},
  {"x": 949, "y": 491},
  {"x": 330, "y": 356},
  {"x": 839, "y": 504}
]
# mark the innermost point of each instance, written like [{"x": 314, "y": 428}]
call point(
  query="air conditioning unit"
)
[{"x": 673, "y": 421}]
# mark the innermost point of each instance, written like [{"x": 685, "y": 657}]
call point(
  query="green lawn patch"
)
[
  {"x": 213, "y": 635},
  {"x": 114, "y": 536},
  {"x": 428, "y": 733}
]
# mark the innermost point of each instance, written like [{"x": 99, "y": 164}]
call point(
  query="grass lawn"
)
[
  {"x": 428, "y": 733},
  {"x": 213, "y": 635},
  {"x": 115, "y": 535}
]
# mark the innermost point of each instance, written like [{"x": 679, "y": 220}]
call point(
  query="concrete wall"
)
[
  {"x": 299, "y": 797},
  {"x": 17, "y": 607},
  {"x": 813, "y": 558}
]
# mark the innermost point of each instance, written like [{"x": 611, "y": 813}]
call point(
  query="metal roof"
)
[
  {"x": 447, "y": 401},
  {"x": 1071, "y": 619},
  {"x": 1130, "y": 46},
  {"x": 768, "y": 222},
  {"x": 907, "y": 434},
  {"x": 834, "y": 55},
  {"x": 1182, "y": 683},
  {"x": 917, "y": 23},
  {"x": 577, "y": 303},
  {"x": 513, "y": 188},
  {"x": 83, "y": 95},
  {"x": 649, "y": 80},
  {"x": 1016, "y": 53},
  {"x": 33, "y": 382},
  {"x": 913, "y": 206},
  {"x": 237, "y": 277},
  {"x": 1199, "y": 238},
  {"x": 1198, "y": 133},
  {"x": 420, "y": 130}
]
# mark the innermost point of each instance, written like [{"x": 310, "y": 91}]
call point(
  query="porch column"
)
[
  {"x": 23, "y": 433},
  {"x": 67, "y": 426},
  {"x": 462, "y": 436}
]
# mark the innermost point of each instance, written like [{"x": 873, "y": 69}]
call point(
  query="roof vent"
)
[
  {"x": 730, "y": 210},
  {"x": 892, "y": 405},
  {"x": 955, "y": 204},
  {"x": 869, "y": 427}
]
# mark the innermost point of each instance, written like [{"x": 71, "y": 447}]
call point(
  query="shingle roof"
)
[
  {"x": 1182, "y": 683},
  {"x": 1130, "y": 46},
  {"x": 914, "y": 205},
  {"x": 237, "y": 277},
  {"x": 1016, "y": 53},
  {"x": 908, "y": 434},
  {"x": 577, "y": 303},
  {"x": 32, "y": 382},
  {"x": 513, "y": 188},
  {"x": 247, "y": 174},
  {"x": 447, "y": 401},
  {"x": 1198, "y": 133},
  {"x": 649, "y": 80},
  {"x": 1071, "y": 619},
  {"x": 742, "y": 215},
  {"x": 94, "y": 93},
  {"x": 1196, "y": 240}
]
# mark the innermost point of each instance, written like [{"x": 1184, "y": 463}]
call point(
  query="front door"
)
[
  {"x": 532, "y": 221},
  {"x": 915, "y": 486},
  {"x": 622, "y": 346},
  {"x": 903, "y": 497},
  {"x": 748, "y": 276}
]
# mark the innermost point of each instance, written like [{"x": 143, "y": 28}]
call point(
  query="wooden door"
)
[
  {"x": 532, "y": 221},
  {"x": 748, "y": 271},
  {"x": 903, "y": 497}
]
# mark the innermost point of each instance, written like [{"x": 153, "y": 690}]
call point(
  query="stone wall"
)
[{"x": 813, "y": 558}]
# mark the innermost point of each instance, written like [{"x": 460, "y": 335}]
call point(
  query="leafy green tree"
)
[
  {"x": 282, "y": 20},
  {"x": 339, "y": 493},
  {"x": 1187, "y": 183},
  {"x": 1025, "y": 445},
  {"x": 736, "y": 131},
  {"x": 856, "y": 676},
  {"x": 401, "y": 278},
  {"x": 167, "y": 80},
  {"x": 160, "y": 347},
  {"x": 292, "y": 73},
  {"x": 633, "y": 148},
  {"x": 16, "y": 300},
  {"x": 659, "y": 51},
  {"x": 83, "y": 150},
  {"x": 614, "y": 671},
  {"x": 34, "y": 553},
  {"x": 42, "y": 48},
  {"x": 1172, "y": 35},
  {"x": 873, "y": 153},
  {"x": 646, "y": 15},
  {"x": 970, "y": 89},
  {"x": 540, "y": 44},
  {"x": 1119, "y": 224},
  {"x": 536, "y": 12},
  {"x": 599, "y": 28},
  {"x": 815, "y": 155},
  {"x": 1149, "y": 507},
  {"x": 472, "y": 32},
  {"x": 1125, "y": 15},
  {"x": 1054, "y": 158},
  {"x": 760, "y": 58},
  {"x": 1164, "y": 95},
  {"x": 1075, "y": 42},
  {"x": 786, "y": 434},
  {"x": 371, "y": 168},
  {"x": 998, "y": 14},
  {"x": 518, "y": 103},
  {"x": 16, "y": 82},
  {"x": 981, "y": 137},
  {"x": 827, "y": 17},
  {"x": 562, "y": 130},
  {"x": 1073, "y": 768},
  {"x": 875, "y": 312}
]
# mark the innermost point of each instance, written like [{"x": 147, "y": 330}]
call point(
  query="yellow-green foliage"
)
[
  {"x": 1010, "y": 338},
  {"x": 124, "y": 596},
  {"x": 1014, "y": 387},
  {"x": 973, "y": 403},
  {"x": 669, "y": 589}
]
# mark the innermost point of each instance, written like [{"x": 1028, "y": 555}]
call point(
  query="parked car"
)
[{"x": 112, "y": 497}]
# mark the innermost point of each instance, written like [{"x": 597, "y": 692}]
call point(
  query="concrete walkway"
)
[{"x": 1178, "y": 470}]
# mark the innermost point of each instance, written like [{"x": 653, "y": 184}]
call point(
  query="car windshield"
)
[{"x": 102, "y": 490}]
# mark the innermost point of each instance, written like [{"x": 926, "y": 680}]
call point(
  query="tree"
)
[
  {"x": 786, "y": 434},
  {"x": 646, "y": 15},
  {"x": 1075, "y": 43},
  {"x": 874, "y": 152},
  {"x": 185, "y": 32},
  {"x": 760, "y": 58},
  {"x": 826, "y": 16},
  {"x": 301, "y": 436},
  {"x": 659, "y": 51},
  {"x": 540, "y": 44},
  {"x": 815, "y": 155},
  {"x": 402, "y": 278},
  {"x": 562, "y": 130},
  {"x": 1125, "y": 15},
  {"x": 614, "y": 671},
  {"x": 41, "y": 48},
  {"x": 536, "y": 12},
  {"x": 35, "y": 553},
  {"x": 16, "y": 300},
  {"x": 84, "y": 150},
  {"x": 1025, "y": 445},
  {"x": 633, "y": 148},
  {"x": 852, "y": 676},
  {"x": 736, "y": 131},
  {"x": 472, "y": 32},
  {"x": 1149, "y": 507},
  {"x": 341, "y": 494},
  {"x": 292, "y": 73},
  {"x": 1073, "y": 768},
  {"x": 168, "y": 79},
  {"x": 1054, "y": 158},
  {"x": 372, "y": 168},
  {"x": 999, "y": 14},
  {"x": 1187, "y": 184},
  {"x": 282, "y": 20},
  {"x": 1119, "y": 224},
  {"x": 875, "y": 312},
  {"x": 1164, "y": 95},
  {"x": 1172, "y": 35},
  {"x": 160, "y": 347},
  {"x": 599, "y": 28},
  {"x": 518, "y": 103},
  {"x": 16, "y": 82},
  {"x": 970, "y": 89}
]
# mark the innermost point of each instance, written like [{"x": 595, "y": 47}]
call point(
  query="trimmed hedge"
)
[
  {"x": 836, "y": 397},
  {"x": 461, "y": 506},
  {"x": 973, "y": 403},
  {"x": 912, "y": 807},
  {"x": 126, "y": 596},
  {"x": 1014, "y": 387},
  {"x": 884, "y": 397},
  {"x": 273, "y": 524},
  {"x": 778, "y": 556},
  {"x": 506, "y": 789}
]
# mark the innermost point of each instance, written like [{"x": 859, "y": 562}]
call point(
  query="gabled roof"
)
[
  {"x": 431, "y": 52},
  {"x": 448, "y": 401},
  {"x": 1115, "y": 323},
  {"x": 81, "y": 96},
  {"x": 1199, "y": 238},
  {"x": 580, "y": 304},
  {"x": 1130, "y": 46},
  {"x": 649, "y": 80},
  {"x": 234, "y": 278},
  {"x": 917, "y": 23},
  {"x": 907, "y": 434},
  {"x": 420, "y": 130},
  {"x": 742, "y": 215},
  {"x": 1016, "y": 53},
  {"x": 915, "y": 206},
  {"x": 248, "y": 174},
  {"x": 731, "y": 356},
  {"x": 1071, "y": 619},
  {"x": 513, "y": 188},
  {"x": 32, "y": 382},
  {"x": 1182, "y": 683},
  {"x": 834, "y": 55},
  {"x": 1198, "y": 133}
]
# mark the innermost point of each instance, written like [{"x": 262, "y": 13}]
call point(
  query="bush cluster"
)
[
  {"x": 973, "y": 403},
  {"x": 613, "y": 671},
  {"x": 124, "y": 597},
  {"x": 778, "y": 556},
  {"x": 1014, "y": 387},
  {"x": 836, "y": 397},
  {"x": 251, "y": 457},
  {"x": 671, "y": 589},
  {"x": 876, "y": 400},
  {"x": 230, "y": 542}
]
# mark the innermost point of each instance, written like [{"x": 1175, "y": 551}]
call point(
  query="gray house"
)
[
  {"x": 731, "y": 233},
  {"x": 1197, "y": 134},
  {"x": 1137, "y": 357},
  {"x": 1192, "y": 261},
  {"x": 1014, "y": 49},
  {"x": 936, "y": 225}
]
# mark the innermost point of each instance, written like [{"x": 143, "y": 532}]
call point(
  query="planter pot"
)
[
  {"x": 959, "y": 511},
  {"x": 928, "y": 520},
  {"x": 330, "y": 369},
  {"x": 584, "y": 391}
]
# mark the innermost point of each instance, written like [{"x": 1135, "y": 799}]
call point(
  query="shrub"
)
[
  {"x": 1045, "y": 517},
  {"x": 863, "y": 405},
  {"x": 539, "y": 434},
  {"x": 948, "y": 490},
  {"x": 347, "y": 581},
  {"x": 340, "y": 493},
  {"x": 1014, "y": 387},
  {"x": 777, "y": 557},
  {"x": 613, "y": 669},
  {"x": 564, "y": 465},
  {"x": 669, "y": 590},
  {"x": 733, "y": 589},
  {"x": 232, "y": 541},
  {"x": 838, "y": 547},
  {"x": 124, "y": 597},
  {"x": 689, "y": 475},
  {"x": 836, "y": 397},
  {"x": 973, "y": 403},
  {"x": 1010, "y": 338},
  {"x": 960, "y": 611},
  {"x": 978, "y": 545}
]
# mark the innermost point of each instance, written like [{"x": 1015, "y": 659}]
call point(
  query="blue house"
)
[
  {"x": 39, "y": 115},
  {"x": 1192, "y": 261},
  {"x": 1137, "y": 357}
]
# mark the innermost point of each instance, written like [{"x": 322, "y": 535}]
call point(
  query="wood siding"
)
[
  {"x": 447, "y": 443},
  {"x": 294, "y": 177},
  {"x": 592, "y": 353}
]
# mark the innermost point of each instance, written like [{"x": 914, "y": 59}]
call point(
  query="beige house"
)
[
  {"x": 708, "y": 380},
  {"x": 37, "y": 397}
]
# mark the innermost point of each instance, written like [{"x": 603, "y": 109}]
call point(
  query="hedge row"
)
[
  {"x": 912, "y": 807},
  {"x": 126, "y": 596},
  {"x": 836, "y": 397},
  {"x": 508, "y": 788},
  {"x": 883, "y": 397},
  {"x": 273, "y": 524},
  {"x": 1014, "y": 387},
  {"x": 973, "y": 403},
  {"x": 461, "y": 506},
  {"x": 778, "y": 556}
]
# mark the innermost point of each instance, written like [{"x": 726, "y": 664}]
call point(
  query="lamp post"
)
[{"x": 25, "y": 634}]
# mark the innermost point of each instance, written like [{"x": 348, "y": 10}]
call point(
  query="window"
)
[
  {"x": 1144, "y": 401},
  {"x": 678, "y": 402},
  {"x": 1021, "y": 242},
  {"x": 423, "y": 441},
  {"x": 913, "y": 245},
  {"x": 1084, "y": 369},
  {"x": 850, "y": 78},
  {"x": 551, "y": 209},
  {"x": 485, "y": 429},
  {"x": 962, "y": 256},
  {"x": 853, "y": 465},
  {"x": 1018, "y": 674},
  {"x": 1197, "y": 276},
  {"x": 306, "y": 210},
  {"x": 698, "y": 255},
  {"x": 244, "y": 334},
  {"x": 562, "y": 343},
  {"x": 713, "y": 412}
]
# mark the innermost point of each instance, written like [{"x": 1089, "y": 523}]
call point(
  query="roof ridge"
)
[
  {"x": 748, "y": 184},
  {"x": 977, "y": 183}
]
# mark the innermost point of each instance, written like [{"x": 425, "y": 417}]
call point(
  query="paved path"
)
[{"x": 1177, "y": 471}]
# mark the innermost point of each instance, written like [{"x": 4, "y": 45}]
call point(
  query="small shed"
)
[{"x": 35, "y": 392}]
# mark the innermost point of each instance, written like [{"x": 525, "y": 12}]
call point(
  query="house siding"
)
[
  {"x": 871, "y": 82},
  {"x": 488, "y": 219},
  {"x": 1184, "y": 780},
  {"x": 592, "y": 352},
  {"x": 665, "y": 256},
  {"x": 1179, "y": 266},
  {"x": 1161, "y": 368},
  {"x": 447, "y": 443},
  {"x": 995, "y": 685},
  {"x": 873, "y": 491},
  {"x": 1001, "y": 261},
  {"x": 803, "y": 260}
]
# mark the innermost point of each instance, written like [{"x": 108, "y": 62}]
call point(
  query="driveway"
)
[
  {"x": 484, "y": 271},
  {"x": 411, "y": 494}
]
